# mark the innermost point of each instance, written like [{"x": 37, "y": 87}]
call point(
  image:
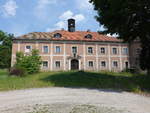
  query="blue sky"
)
[{"x": 24, "y": 16}]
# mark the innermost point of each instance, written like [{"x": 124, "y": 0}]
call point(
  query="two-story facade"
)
[{"x": 75, "y": 50}]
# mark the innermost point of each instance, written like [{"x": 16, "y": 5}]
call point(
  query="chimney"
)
[{"x": 71, "y": 25}]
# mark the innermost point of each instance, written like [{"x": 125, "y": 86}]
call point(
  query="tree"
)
[
  {"x": 31, "y": 63},
  {"x": 130, "y": 19},
  {"x": 5, "y": 49}
]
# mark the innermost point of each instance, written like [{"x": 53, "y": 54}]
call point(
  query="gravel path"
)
[{"x": 72, "y": 100}]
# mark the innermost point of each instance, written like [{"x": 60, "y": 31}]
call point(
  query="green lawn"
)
[{"x": 105, "y": 80}]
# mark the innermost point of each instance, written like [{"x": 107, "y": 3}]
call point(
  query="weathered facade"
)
[{"x": 76, "y": 50}]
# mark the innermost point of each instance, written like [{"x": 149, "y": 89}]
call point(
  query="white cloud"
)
[
  {"x": 9, "y": 8},
  {"x": 43, "y": 3},
  {"x": 62, "y": 23},
  {"x": 79, "y": 17},
  {"x": 69, "y": 14},
  {"x": 66, "y": 15},
  {"x": 113, "y": 35},
  {"x": 102, "y": 28},
  {"x": 84, "y": 5}
]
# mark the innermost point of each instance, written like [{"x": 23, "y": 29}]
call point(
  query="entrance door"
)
[{"x": 74, "y": 64}]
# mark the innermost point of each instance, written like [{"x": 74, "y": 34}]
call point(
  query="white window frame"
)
[
  {"x": 28, "y": 49},
  {"x": 104, "y": 50},
  {"x": 105, "y": 64},
  {"x": 123, "y": 52},
  {"x": 43, "y": 49},
  {"x": 55, "y": 64},
  {"x": 113, "y": 64},
  {"x": 89, "y": 62},
  {"x": 72, "y": 47},
  {"x": 47, "y": 64},
  {"x": 117, "y": 50},
  {"x": 56, "y": 49},
  {"x": 92, "y": 50}
]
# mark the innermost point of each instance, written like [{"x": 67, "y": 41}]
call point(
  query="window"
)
[
  {"x": 138, "y": 51},
  {"x": 125, "y": 51},
  {"x": 28, "y": 49},
  {"x": 74, "y": 49},
  {"x": 90, "y": 50},
  {"x": 114, "y": 50},
  {"x": 45, "y": 49},
  {"x": 57, "y": 35},
  {"x": 103, "y": 63},
  {"x": 57, "y": 64},
  {"x": 103, "y": 50},
  {"x": 126, "y": 65},
  {"x": 57, "y": 49},
  {"x": 45, "y": 64},
  {"x": 115, "y": 64},
  {"x": 90, "y": 63},
  {"x": 89, "y": 36}
]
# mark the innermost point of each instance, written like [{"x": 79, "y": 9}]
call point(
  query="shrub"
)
[
  {"x": 31, "y": 63},
  {"x": 16, "y": 71}
]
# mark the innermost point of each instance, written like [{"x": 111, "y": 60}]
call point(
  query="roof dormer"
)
[
  {"x": 57, "y": 35},
  {"x": 88, "y": 36}
]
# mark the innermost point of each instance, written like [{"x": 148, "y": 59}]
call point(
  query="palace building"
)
[{"x": 77, "y": 50}]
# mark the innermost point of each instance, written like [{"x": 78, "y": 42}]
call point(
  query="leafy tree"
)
[
  {"x": 130, "y": 19},
  {"x": 31, "y": 63},
  {"x": 5, "y": 49}
]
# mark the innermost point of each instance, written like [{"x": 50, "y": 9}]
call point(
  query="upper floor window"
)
[
  {"x": 125, "y": 51},
  {"x": 57, "y": 35},
  {"x": 103, "y": 64},
  {"x": 90, "y": 50},
  {"x": 74, "y": 49},
  {"x": 57, "y": 64},
  {"x": 91, "y": 64},
  {"x": 138, "y": 51},
  {"x": 114, "y": 50},
  {"x": 45, "y": 49},
  {"x": 28, "y": 48},
  {"x": 57, "y": 49},
  {"x": 102, "y": 50},
  {"x": 89, "y": 36},
  {"x": 115, "y": 64},
  {"x": 45, "y": 64}
]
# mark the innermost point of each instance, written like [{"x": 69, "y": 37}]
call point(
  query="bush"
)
[
  {"x": 30, "y": 62},
  {"x": 17, "y": 71}
]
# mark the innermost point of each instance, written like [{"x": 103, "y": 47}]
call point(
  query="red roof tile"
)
[{"x": 72, "y": 36}]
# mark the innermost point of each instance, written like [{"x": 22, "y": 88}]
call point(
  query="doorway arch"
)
[{"x": 74, "y": 64}]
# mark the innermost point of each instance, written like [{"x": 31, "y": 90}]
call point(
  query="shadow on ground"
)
[{"x": 100, "y": 80}]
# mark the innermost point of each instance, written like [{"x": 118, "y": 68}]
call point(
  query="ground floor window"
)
[
  {"x": 115, "y": 64},
  {"x": 45, "y": 64},
  {"x": 91, "y": 64},
  {"x": 103, "y": 63},
  {"x": 57, "y": 64},
  {"x": 126, "y": 65}
]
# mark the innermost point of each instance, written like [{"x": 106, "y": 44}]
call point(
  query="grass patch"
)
[{"x": 105, "y": 80}]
